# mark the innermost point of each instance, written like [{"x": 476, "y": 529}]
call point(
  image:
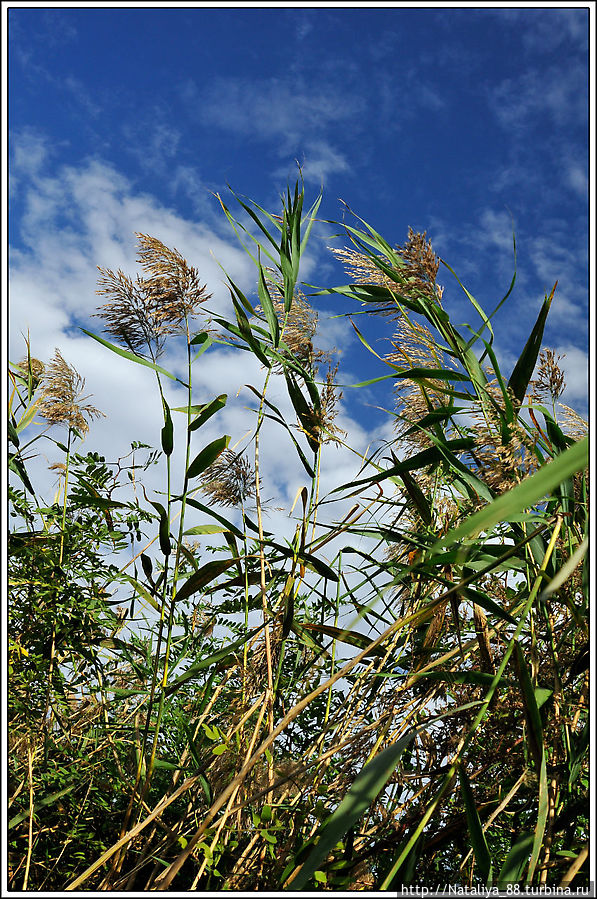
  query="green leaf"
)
[
  {"x": 228, "y": 525},
  {"x": 206, "y": 529},
  {"x": 541, "y": 819},
  {"x": 141, "y": 590},
  {"x": 524, "y": 495},
  {"x": 437, "y": 374},
  {"x": 13, "y": 434},
  {"x": 207, "y": 573},
  {"x": 277, "y": 417},
  {"x": 268, "y": 307},
  {"x": 418, "y": 497},
  {"x": 204, "y": 340},
  {"x": 531, "y": 710},
  {"x": 302, "y": 410},
  {"x": 483, "y": 600},
  {"x": 419, "y": 460},
  {"x": 366, "y": 787},
  {"x": 523, "y": 370},
  {"x": 133, "y": 356},
  {"x": 47, "y": 800},
  {"x": 169, "y": 766},
  {"x": 165, "y": 545},
  {"x": 17, "y": 466},
  {"x": 167, "y": 431},
  {"x": 245, "y": 327},
  {"x": 207, "y": 455},
  {"x": 515, "y": 863},
  {"x": 354, "y": 638},
  {"x": 373, "y": 294},
  {"x": 478, "y": 842},
  {"x": 206, "y": 412}
]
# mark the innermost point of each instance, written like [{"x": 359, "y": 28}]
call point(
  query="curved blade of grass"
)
[
  {"x": 243, "y": 322},
  {"x": 141, "y": 590},
  {"x": 268, "y": 308},
  {"x": 132, "y": 356},
  {"x": 165, "y": 545},
  {"x": 201, "y": 578},
  {"x": 302, "y": 409},
  {"x": 541, "y": 820},
  {"x": 306, "y": 464},
  {"x": 228, "y": 525},
  {"x": 206, "y": 529},
  {"x": 420, "y": 460},
  {"x": 366, "y": 787},
  {"x": 310, "y": 561},
  {"x": 369, "y": 293},
  {"x": 207, "y": 455},
  {"x": 523, "y": 370},
  {"x": 206, "y": 411},
  {"x": 478, "y": 309},
  {"x": 17, "y": 466},
  {"x": 47, "y": 800},
  {"x": 525, "y": 494},
  {"x": 531, "y": 710},
  {"x": 478, "y": 841},
  {"x": 515, "y": 863},
  {"x": 167, "y": 431},
  {"x": 418, "y": 497},
  {"x": 337, "y": 633},
  {"x": 203, "y": 339}
]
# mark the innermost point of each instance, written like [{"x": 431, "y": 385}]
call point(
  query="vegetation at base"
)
[{"x": 395, "y": 694}]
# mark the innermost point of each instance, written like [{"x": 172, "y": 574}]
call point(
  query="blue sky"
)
[{"x": 454, "y": 121}]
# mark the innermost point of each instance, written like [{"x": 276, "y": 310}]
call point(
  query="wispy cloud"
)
[
  {"x": 275, "y": 108},
  {"x": 552, "y": 27},
  {"x": 152, "y": 140},
  {"x": 318, "y": 161},
  {"x": 559, "y": 93},
  {"x": 26, "y": 54}
]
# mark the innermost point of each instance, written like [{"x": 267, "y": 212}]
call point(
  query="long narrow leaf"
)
[
  {"x": 478, "y": 841},
  {"x": 516, "y": 861},
  {"x": 207, "y": 455},
  {"x": 523, "y": 370},
  {"x": 522, "y": 496},
  {"x": 366, "y": 787},
  {"x": 207, "y": 573},
  {"x": 133, "y": 357}
]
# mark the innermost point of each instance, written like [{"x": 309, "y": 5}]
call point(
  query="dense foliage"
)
[{"x": 397, "y": 695}]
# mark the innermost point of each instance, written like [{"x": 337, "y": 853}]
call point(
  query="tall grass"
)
[{"x": 244, "y": 736}]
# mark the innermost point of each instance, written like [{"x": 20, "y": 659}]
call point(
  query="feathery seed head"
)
[
  {"x": 32, "y": 366},
  {"x": 418, "y": 272},
  {"x": 230, "y": 480},
  {"x": 61, "y": 401},
  {"x": 550, "y": 378},
  {"x": 141, "y": 313}
]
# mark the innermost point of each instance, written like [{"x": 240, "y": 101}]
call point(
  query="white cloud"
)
[
  {"x": 274, "y": 108},
  {"x": 559, "y": 92},
  {"x": 79, "y": 217},
  {"x": 545, "y": 30},
  {"x": 575, "y": 365},
  {"x": 577, "y": 178},
  {"x": 320, "y": 160}
]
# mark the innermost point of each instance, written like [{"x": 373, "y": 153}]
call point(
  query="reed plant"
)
[{"x": 395, "y": 694}]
